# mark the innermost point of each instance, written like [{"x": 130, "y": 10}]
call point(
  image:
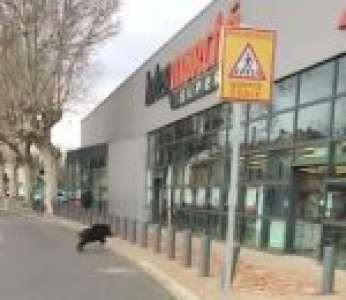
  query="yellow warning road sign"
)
[{"x": 247, "y": 64}]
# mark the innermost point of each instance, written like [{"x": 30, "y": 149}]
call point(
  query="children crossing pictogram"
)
[{"x": 247, "y": 66}]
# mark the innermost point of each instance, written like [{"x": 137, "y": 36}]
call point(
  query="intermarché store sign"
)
[{"x": 193, "y": 74}]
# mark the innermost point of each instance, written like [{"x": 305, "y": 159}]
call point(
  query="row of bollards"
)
[{"x": 138, "y": 232}]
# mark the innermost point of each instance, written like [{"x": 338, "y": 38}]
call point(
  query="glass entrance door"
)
[
  {"x": 334, "y": 225},
  {"x": 309, "y": 204}
]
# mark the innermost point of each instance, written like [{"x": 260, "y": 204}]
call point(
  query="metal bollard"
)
[
  {"x": 187, "y": 248},
  {"x": 143, "y": 240},
  {"x": 328, "y": 277},
  {"x": 144, "y": 235},
  {"x": 157, "y": 238},
  {"x": 133, "y": 232},
  {"x": 74, "y": 212},
  {"x": 85, "y": 216},
  {"x": 117, "y": 226},
  {"x": 171, "y": 243},
  {"x": 204, "y": 262},
  {"x": 79, "y": 214},
  {"x": 124, "y": 228}
]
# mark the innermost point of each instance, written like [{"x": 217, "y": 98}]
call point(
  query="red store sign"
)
[
  {"x": 342, "y": 21},
  {"x": 202, "y": 56}
]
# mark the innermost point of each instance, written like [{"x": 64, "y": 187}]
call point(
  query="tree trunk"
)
[
  {"x": 11, "y": 172},
  {"x": 2, "y": 185},
  {"x": 28, "y": 182},
  {"x": 50, "y": 178}
]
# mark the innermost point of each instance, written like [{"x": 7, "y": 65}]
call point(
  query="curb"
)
[{"x": 178, "y": 291}]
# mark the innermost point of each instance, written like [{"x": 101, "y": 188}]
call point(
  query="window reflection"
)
[
  {"x": 342, "y": 75},
  {"x": 310, "y": 192},
  {"x": 340, "y": 152},
  {"x": 317, "y": 83},
  {"x": 257, "y": 166},
  {"x": 340, "y": 120},
  {"x": 312, "y": 155},
  {"x": 285, "y": 94},
  {"x": 281, "y": 130},
  {"x": 258, "y": 110},
  {"x": 193, "y": 149},
  {"x": 258, "y": 132},
  {"x": 280, "y": 164},
  {"x": 313, "y": 122}
]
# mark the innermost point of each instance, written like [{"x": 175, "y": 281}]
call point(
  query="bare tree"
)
[{"x": 45, "y": 48}]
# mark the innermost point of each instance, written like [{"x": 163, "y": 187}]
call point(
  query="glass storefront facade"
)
[
  {"x": 290, "y": 152},
  {"x": 87, "y": 176}
]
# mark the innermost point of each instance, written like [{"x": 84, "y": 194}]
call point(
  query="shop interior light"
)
[
  {"x": 261, "y": 156},
  {"x": 309, "y": 149},
  {"x": 310, "y": 156},
  {"x": 341, "y": 169}
]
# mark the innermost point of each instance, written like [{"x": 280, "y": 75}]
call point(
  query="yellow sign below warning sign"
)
[{"x": 247, "y": 64}]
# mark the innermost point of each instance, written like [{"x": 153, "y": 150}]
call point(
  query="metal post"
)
[
  {"x": 144, "y": 235},
  {"x": 204, "y": 262},
  {"x": 171, "y": 243},
  {"x": 157, "y": 238},
  {"x": 328, "y": 270},
  {"x": 90, "y": 220},
  {"x": 124, "y": 228},
  {"x": 232, "y": 198},
  {"x": 85, "y": 216},
  {"x": 117, "y": 226},
  {"x": 133, "y": 232},
  {"x": 187, "y": 248}
]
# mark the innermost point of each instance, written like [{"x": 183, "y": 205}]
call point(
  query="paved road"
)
[{"x": 38, "y": 261}]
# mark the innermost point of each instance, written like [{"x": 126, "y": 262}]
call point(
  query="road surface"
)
[{"x": 38, "y": 261}]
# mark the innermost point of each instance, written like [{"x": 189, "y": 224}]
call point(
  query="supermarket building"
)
[{"x": 158, "y": 148}]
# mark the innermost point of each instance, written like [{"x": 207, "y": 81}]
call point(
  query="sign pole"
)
[
  {"x": 232, "y": 200},
  {"x": 247, "y": 71}
]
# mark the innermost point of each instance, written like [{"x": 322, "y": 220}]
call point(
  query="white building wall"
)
[
  {"x": 123, "y": 120},
  {"x": 307, "y": 30},
  {"x": 307, "y": 34}
]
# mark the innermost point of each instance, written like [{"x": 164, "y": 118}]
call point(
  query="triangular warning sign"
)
[{"x": 247, "y": 66}]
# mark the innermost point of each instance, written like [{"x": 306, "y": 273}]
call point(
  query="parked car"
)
[
  {"x": 38, "y": 198},
  {"x": 62, "y": 196}
]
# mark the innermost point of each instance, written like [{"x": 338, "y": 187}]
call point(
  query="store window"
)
[
  {"x": 281, "y": 129},
  {"x": 336, "y": 198},
  {"x": 285, "y": 94},
  {"x": 257, "y": 166},
  {"x": 189, "y": 127},
  {"x": 313, "y": 122},
  {"x": 340, "y": 120},
  {"x": 257, "y": 111},
  {"x": 258, "y": 132},
  {"x": 217, "y": 117},
  {"x": 191, "y": 150},
  {"x": 312, "y": 155},
  {"x": 280, "y": 165},
  {"x": 277, "y": 201},
  {"x": 342, "y": 75},
  {"x": 310, "y": 188},
  {"x": 340, "y": 152},
  {"x": 317, "y": 83}
]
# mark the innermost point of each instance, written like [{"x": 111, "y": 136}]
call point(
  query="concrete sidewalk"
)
[{"x": 260, "y": 276}]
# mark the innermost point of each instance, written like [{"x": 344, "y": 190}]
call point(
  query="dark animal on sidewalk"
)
[{"x": 95, "y": 233}]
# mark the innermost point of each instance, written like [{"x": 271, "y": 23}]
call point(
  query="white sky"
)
[{"x": 146, "y": 25}]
